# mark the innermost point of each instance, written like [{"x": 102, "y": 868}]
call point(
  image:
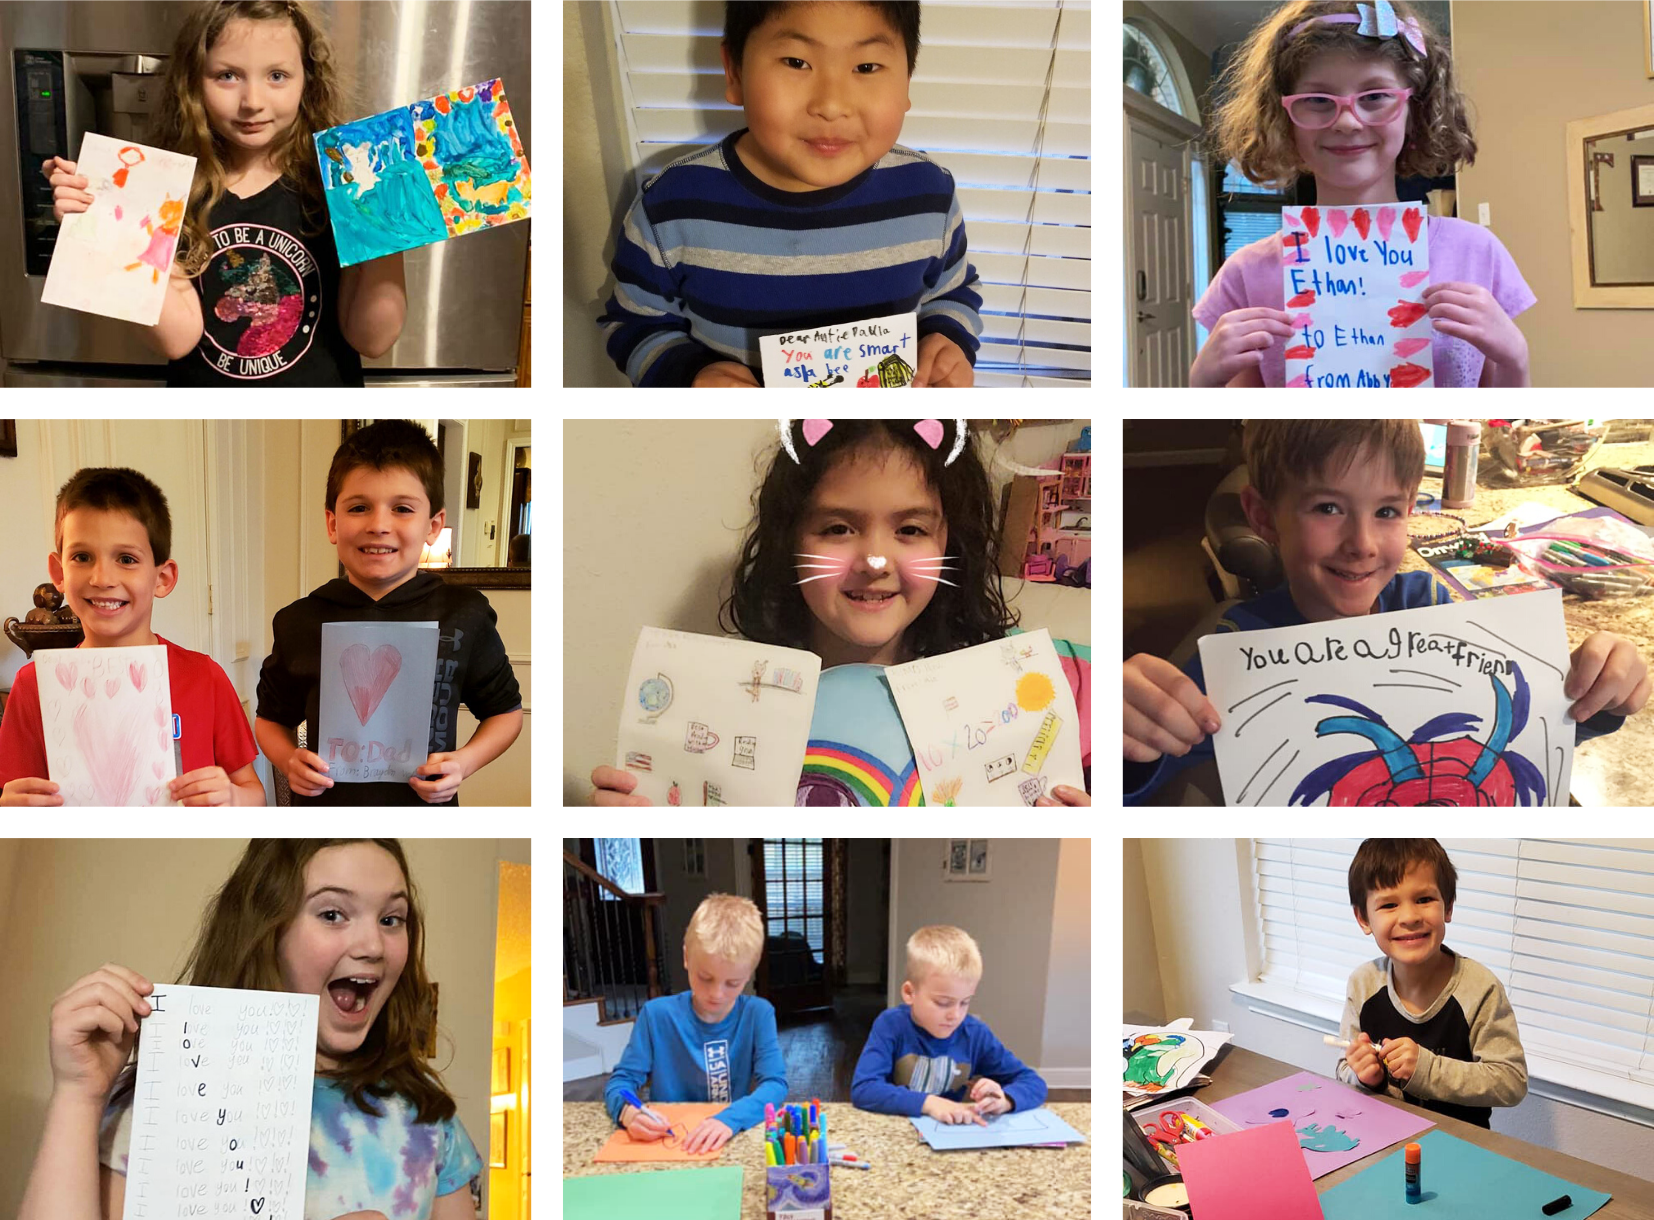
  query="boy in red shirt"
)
[{"x": 113, "y": 559}]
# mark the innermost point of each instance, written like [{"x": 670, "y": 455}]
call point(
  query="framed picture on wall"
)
[
  {"x": 967, "y": 860},
  {"x": 473, "y": 480}
]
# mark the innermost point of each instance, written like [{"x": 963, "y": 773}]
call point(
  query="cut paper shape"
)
[
  {"x": 103, "y": 723},
  {"x": 1355, "y": 286},
  {"x": 858, "y": 753},
  {"x": 115, "y": 258},
  {"x": 989, "y": 721},
  {"x": 376, "y": 691},
  {"x": 1165, "y": 1058},
  {"x": 246, "y": 1062},
  {"x": 1461, "y": 1180},
  {"x": 709, "y": 710},
  {"x": 1257, "y": 1174},
  {"x": 1018, "y": 1129},
  {"x": 1335, "y": 1123},
  {"x": 874, "y": 353},
  {"x": 439, "y": 168},
  {"x": 712, "y": 1193},
  {"x": 1454, "y": 705},
  {"x": 684, "y": 1116}
]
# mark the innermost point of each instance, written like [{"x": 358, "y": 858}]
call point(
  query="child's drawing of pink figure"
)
[{"x": 162, "y": 240}]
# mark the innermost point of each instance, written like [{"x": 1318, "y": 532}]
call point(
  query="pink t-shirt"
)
[{"x": 1460, "y": 252}]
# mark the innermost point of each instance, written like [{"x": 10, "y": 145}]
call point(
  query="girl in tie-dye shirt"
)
[{"x": 336, "y": 918}]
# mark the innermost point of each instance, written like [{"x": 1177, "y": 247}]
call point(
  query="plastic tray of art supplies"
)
[{"x": 1148, "y": 1116}]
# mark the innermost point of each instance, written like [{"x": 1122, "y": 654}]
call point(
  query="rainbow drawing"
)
[{"x": 843, "y": 776}]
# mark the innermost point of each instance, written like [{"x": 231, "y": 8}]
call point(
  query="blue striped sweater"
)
[{"x": 710, "y": 258}]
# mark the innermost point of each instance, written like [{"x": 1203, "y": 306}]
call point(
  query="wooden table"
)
[
  {"x": 1237, "y": 1070},
  {"x": 908, "y": 1180}
]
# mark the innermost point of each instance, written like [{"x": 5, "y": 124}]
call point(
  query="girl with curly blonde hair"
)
[
  {"x": 1355, "y": 95},
  {"x": 257, "y": 296}
]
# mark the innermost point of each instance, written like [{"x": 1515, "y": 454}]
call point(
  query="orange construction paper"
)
[{"x": 685, "y": 1116}]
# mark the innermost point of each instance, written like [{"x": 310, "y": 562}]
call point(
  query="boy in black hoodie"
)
[{"x": 384, "y": 504}]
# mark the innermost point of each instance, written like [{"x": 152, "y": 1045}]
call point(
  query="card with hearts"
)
[
  {"x": 377, "y": 687},
  {"x": 107, "y": 718}
]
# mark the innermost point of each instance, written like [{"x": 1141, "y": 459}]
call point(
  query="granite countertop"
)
[
  {"x": 1607, "y": 770},
  {"x": 907, "y": 1181}
]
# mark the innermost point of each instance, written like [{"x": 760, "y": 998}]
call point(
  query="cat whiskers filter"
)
[
  {"x": 834, "y": 567},
  {"x": 914, "y": 568}
]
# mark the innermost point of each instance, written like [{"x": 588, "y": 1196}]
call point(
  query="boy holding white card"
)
[
  {"x": 384, "y": 504},
  {"x": 113, "y": 558},
  {"x": 810, "y": 215},
  {"x": 1333, "y": 496}
]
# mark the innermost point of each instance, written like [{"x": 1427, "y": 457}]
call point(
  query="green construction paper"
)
[
  {"x": 1461, "y": 1181},
  {"x": 655, "y": 1194}
]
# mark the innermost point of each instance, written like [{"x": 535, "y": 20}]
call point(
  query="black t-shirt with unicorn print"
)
[{"x": 269, "y": 300}]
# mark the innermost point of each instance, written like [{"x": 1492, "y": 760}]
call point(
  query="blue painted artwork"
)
[{"x": 423, "y": 173}]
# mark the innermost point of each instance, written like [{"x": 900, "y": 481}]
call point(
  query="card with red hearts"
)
[
  {"x": 1353, "y": 279},
  {"x": 377, "y": 683},
  {"x": 107, "y": 718}
]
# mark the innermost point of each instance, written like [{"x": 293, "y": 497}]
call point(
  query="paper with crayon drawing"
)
[
  {"x": 422, "y": 173},
  {"x": 873, "y": 354},
  {"x": 115, "y": 258},
  {"x": 377, "y": 686},
  {"x": 991, "y": 725},
  {"x": 1456, "y": 705},
  {"x": 709, "y": 720},
  {"x": 684, "y": 1116},
  {"x": 106, "y": 714},
  {"x": 1354, "y": 279},
  {"x": 1166, "y": 1058}
]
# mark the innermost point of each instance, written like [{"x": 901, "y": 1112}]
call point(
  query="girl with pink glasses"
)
[{"x": 1354, "y": 95}]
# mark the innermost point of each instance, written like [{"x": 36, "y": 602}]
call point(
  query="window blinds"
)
[
  {"x": 1567, "y": 927},
  {"x": 1001, "y": 99}
]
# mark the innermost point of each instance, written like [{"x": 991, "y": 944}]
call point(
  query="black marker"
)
[{"x": 1558, "y": 1205}]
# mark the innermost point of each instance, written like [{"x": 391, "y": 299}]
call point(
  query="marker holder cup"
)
[{"x": 798, "y": 1192}]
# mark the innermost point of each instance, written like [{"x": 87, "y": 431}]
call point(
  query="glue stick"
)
[{"x": 1414, "y": 1157}]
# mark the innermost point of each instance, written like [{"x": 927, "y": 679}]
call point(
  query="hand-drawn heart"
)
[
  {"x": 111, "y": 685},
  {"x": 1411, "y": 219},
  {"x": 1338, "y": 221},
  {"x": 160, "y": 717},
  {"x": 152, "y": 796},
  {"x": 1312, "y": 220},
  {"x": 258, "y": 1206},
  {"x": 66, "y": 675},
  {"x": 1362, "y": 219},
  {"x": 108, "y": 744},
  {"x": 1407, "y": 347},
  {"x": 1404, "y": 313},
  {"x": 86, "y": 685},
  {"x": 1406, "y": 376},
  {"x": 1386, "y": 220},
  {"x": 368, "y": 678},
  {"x": 140, "y": 675},
  {"x": 158, "y": 767}
]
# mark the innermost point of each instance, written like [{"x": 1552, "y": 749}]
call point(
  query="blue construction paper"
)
[
  {"x": 1014, "y": 1130},
  {"x": 1461, "y": 1181}
]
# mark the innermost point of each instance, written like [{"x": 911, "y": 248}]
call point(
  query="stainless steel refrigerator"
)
[{"x": 91, "y": 65}]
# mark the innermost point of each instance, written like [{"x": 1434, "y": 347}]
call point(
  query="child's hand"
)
[
  {"x": 990, "y": 1099},
  {"x": 306, "y": 773},
  {"x": 945, "y": 1111},
  {"x": 941, "y": 363},
  {"x": 1401, "y": 1058},
  {"x": 68, "y": 188},
  {"x": 641, "y": 1127},
  {"x": 442, "y": 775},
  {"x": 94, "y": 1025},
  {"x": 710, "y": 1136},
  {"x": 30, "y": 791},
  {"x": 1606, "y": 673},
  {"x": 1469, "y": 312},
  {"x": 1363, "y": 1060},
  {"x": 1165, "y": 712},
  {"x": 1237, "y": 343},
  {"x": 203, "y": 786},
  {"x": 611, "y": 786},
  {"x": 1062, "y": 794},
  {"x": 725, "y": 374}
]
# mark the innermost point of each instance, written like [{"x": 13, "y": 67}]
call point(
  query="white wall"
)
[
  {"x": 654, "y": 512},
  {"x": 1195, "y": 896},
  {"x": 1065, "y": 1052}
]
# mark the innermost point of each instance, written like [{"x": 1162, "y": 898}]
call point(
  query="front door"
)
[{"x": 792, "y": 883}]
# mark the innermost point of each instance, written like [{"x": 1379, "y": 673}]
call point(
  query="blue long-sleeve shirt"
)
[
  {"x": 901, "y": 1065},
  {"x": 682, "y": 1058},
  {"x": 1406, "y": 591},
  {"x": 709, "y": 258}
]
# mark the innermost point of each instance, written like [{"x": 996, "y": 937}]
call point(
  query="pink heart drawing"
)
[
  {"x": 66, "y": 675},
  {"x": 1406, "y": 347},
  {"x": 140, "y": 675},
  {"x": 930, "y": 431},
  {"x": 152, "y": 796},
  {"x": 1386, "y": 218},
  {"x": 368, "y": 678},
  {"x": 108, "y": 744},
  {"x": 158, "y": 767},
  {"x": 815, "y": 429},
  {"x": 1338, "y": 222},
  {"x": 1409, "y": 278},
  {"x": 111, "y": 685},
  {"x": 86, "y": 685},
  {"x": 160, "y": 717}
]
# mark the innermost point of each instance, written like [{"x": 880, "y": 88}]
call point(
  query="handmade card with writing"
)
[
  {"x": 377, "y": 683},
  {"x": 107, "y": 718}
]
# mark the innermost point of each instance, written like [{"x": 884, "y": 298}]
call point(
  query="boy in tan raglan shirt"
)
[{"x": 1424, "y": 1023}]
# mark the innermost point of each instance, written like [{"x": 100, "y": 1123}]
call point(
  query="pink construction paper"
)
[
  {"x": 1324, "y": 1112},
  {"x": 1255, "y": 1174}
]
